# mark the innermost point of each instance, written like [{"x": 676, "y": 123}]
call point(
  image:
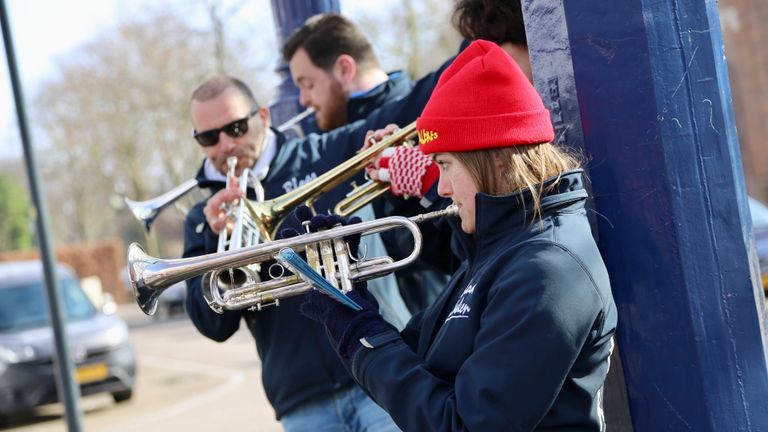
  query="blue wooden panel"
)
[{"x": 651, "y": 96}]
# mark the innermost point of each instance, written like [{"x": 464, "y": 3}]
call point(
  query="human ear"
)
[
  {"x": 264, "y": 116},
  {"x": 345, "y": 69}
]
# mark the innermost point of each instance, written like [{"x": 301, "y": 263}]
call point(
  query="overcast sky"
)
[{"x": 42, "y": 30}]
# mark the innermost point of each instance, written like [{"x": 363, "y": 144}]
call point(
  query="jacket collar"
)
[
  {"x": 361, "y": 103},
  {"x": 497, "y": 216}
]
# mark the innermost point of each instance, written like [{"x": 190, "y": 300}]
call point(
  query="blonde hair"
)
[{"x": 520, "y": 167}]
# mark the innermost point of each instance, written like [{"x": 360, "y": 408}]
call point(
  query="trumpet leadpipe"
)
[{"x": 293, "y": 121}]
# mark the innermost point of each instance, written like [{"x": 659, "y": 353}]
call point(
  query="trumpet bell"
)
[
  {"x": 147, "y": 211},
  {"x": 146, "y": 296}
]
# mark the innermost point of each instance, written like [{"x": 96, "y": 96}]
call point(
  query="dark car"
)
[
  {"x": 759, "y": 214},
  {"x": 99, "y": 343}
]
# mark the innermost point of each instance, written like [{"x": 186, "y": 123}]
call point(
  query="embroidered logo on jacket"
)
[
  {"x": 462, "y": 309},
  {"x": 294, "y": 182}
]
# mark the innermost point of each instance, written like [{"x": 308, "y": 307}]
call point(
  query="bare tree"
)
[
  {"x": 117, "y": 120},
  {"x": 414, "y": 35}
]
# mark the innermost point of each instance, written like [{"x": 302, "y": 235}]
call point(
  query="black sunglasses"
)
[{"x": 234, "y": 129}]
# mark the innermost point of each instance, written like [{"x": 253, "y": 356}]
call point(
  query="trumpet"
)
[
  {"x": 244, "y": 232},
  {"x": 326, "y": 252},
  {"x": 147, "y": 211},
  {"x": 269, "y": 214}
]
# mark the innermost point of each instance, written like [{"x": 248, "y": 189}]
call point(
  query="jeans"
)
[{"x": 349, "y": 410}]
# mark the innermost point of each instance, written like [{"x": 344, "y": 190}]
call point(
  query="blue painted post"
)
[
  {"x": 289, "y": 15},
  {"x": 643, "y": 88}
]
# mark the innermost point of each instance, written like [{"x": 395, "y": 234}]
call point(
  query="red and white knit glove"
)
[{"x": 410, "y": 172}]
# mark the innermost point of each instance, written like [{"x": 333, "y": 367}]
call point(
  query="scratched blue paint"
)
[{"x": 651, "y": 100}]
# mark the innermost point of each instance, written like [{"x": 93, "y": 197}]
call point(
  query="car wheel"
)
[{"x": 122, "y": 395}]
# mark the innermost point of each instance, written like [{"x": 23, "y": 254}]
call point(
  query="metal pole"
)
[{"x": 68, "y": 390}]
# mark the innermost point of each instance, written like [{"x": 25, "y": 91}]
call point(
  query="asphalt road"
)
[{"x": 185, "y": 382}]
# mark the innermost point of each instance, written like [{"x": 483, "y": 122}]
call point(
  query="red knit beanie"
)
[{"x": 481, "y": 101}]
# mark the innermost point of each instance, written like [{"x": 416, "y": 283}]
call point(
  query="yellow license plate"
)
[{"x": 92, "y": 372}]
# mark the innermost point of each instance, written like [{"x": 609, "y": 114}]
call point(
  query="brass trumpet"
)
[
  {"x": 269, "y": 214},
  {"x": 326, "y": 252}
]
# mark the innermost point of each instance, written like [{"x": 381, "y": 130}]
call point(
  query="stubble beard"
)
[{"x": 335, "y": 114}]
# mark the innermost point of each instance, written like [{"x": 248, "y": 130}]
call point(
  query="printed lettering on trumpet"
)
[
  {"x": 426, "y": 136},
  {"x": 294, "y": 182}
]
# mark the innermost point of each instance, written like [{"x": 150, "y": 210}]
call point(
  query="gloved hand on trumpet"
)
[
  {"x": 318, "y": 222},
  {"x": 410, "y": 172},
  {"x": 345, "y": 325},
  {"x": 328, "y": 268}
]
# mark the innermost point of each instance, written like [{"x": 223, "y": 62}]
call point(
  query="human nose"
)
[
  {"x": 304, "y": 99},
  {"x": 443, "y": 187},
  {"x": 226, "y": 142}
]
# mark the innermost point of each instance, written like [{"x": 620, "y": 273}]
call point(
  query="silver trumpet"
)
[
  {"x": 326, "y": 252},
  {"x": 147, "y": 211},
  {"x": 244, "y": 233}
]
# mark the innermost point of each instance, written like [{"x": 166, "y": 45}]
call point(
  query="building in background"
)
[{"x": 745, "y": 37}]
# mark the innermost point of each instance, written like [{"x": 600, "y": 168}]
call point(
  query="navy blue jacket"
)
[
  {"x": 521, "y": 337},
  {"x": 359, "y": 106}
]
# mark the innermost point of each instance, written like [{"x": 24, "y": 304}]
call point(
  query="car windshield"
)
[{"x": 24, "y": 306}]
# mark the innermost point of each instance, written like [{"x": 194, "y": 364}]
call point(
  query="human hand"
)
[
  {"x": 373, "y": 137},
  {"x": 345, "y": 326},
  {"x": 216, "y": 208},
  {"x": 409, "y": 171},
  {"x": 319, "y": 222}
]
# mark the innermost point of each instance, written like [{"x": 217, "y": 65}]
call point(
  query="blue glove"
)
[
  {"x": 345, "y": 326},
  {"x": 303, "y": 215}
]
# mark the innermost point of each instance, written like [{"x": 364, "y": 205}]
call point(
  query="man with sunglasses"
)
[{"x": 305, "y": 382}]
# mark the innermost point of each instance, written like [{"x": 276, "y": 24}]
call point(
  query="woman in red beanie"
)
[{"x": 520, "y": 338}]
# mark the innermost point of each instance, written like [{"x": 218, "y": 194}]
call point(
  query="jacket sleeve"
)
[
  {"x": 200, "y": 240},
  {"x": 534, "y": 323}
]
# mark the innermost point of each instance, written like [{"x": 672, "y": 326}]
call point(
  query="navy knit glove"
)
[
  {"x": 318, "y": 222},
  {"x": 346, "y": 326}
]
